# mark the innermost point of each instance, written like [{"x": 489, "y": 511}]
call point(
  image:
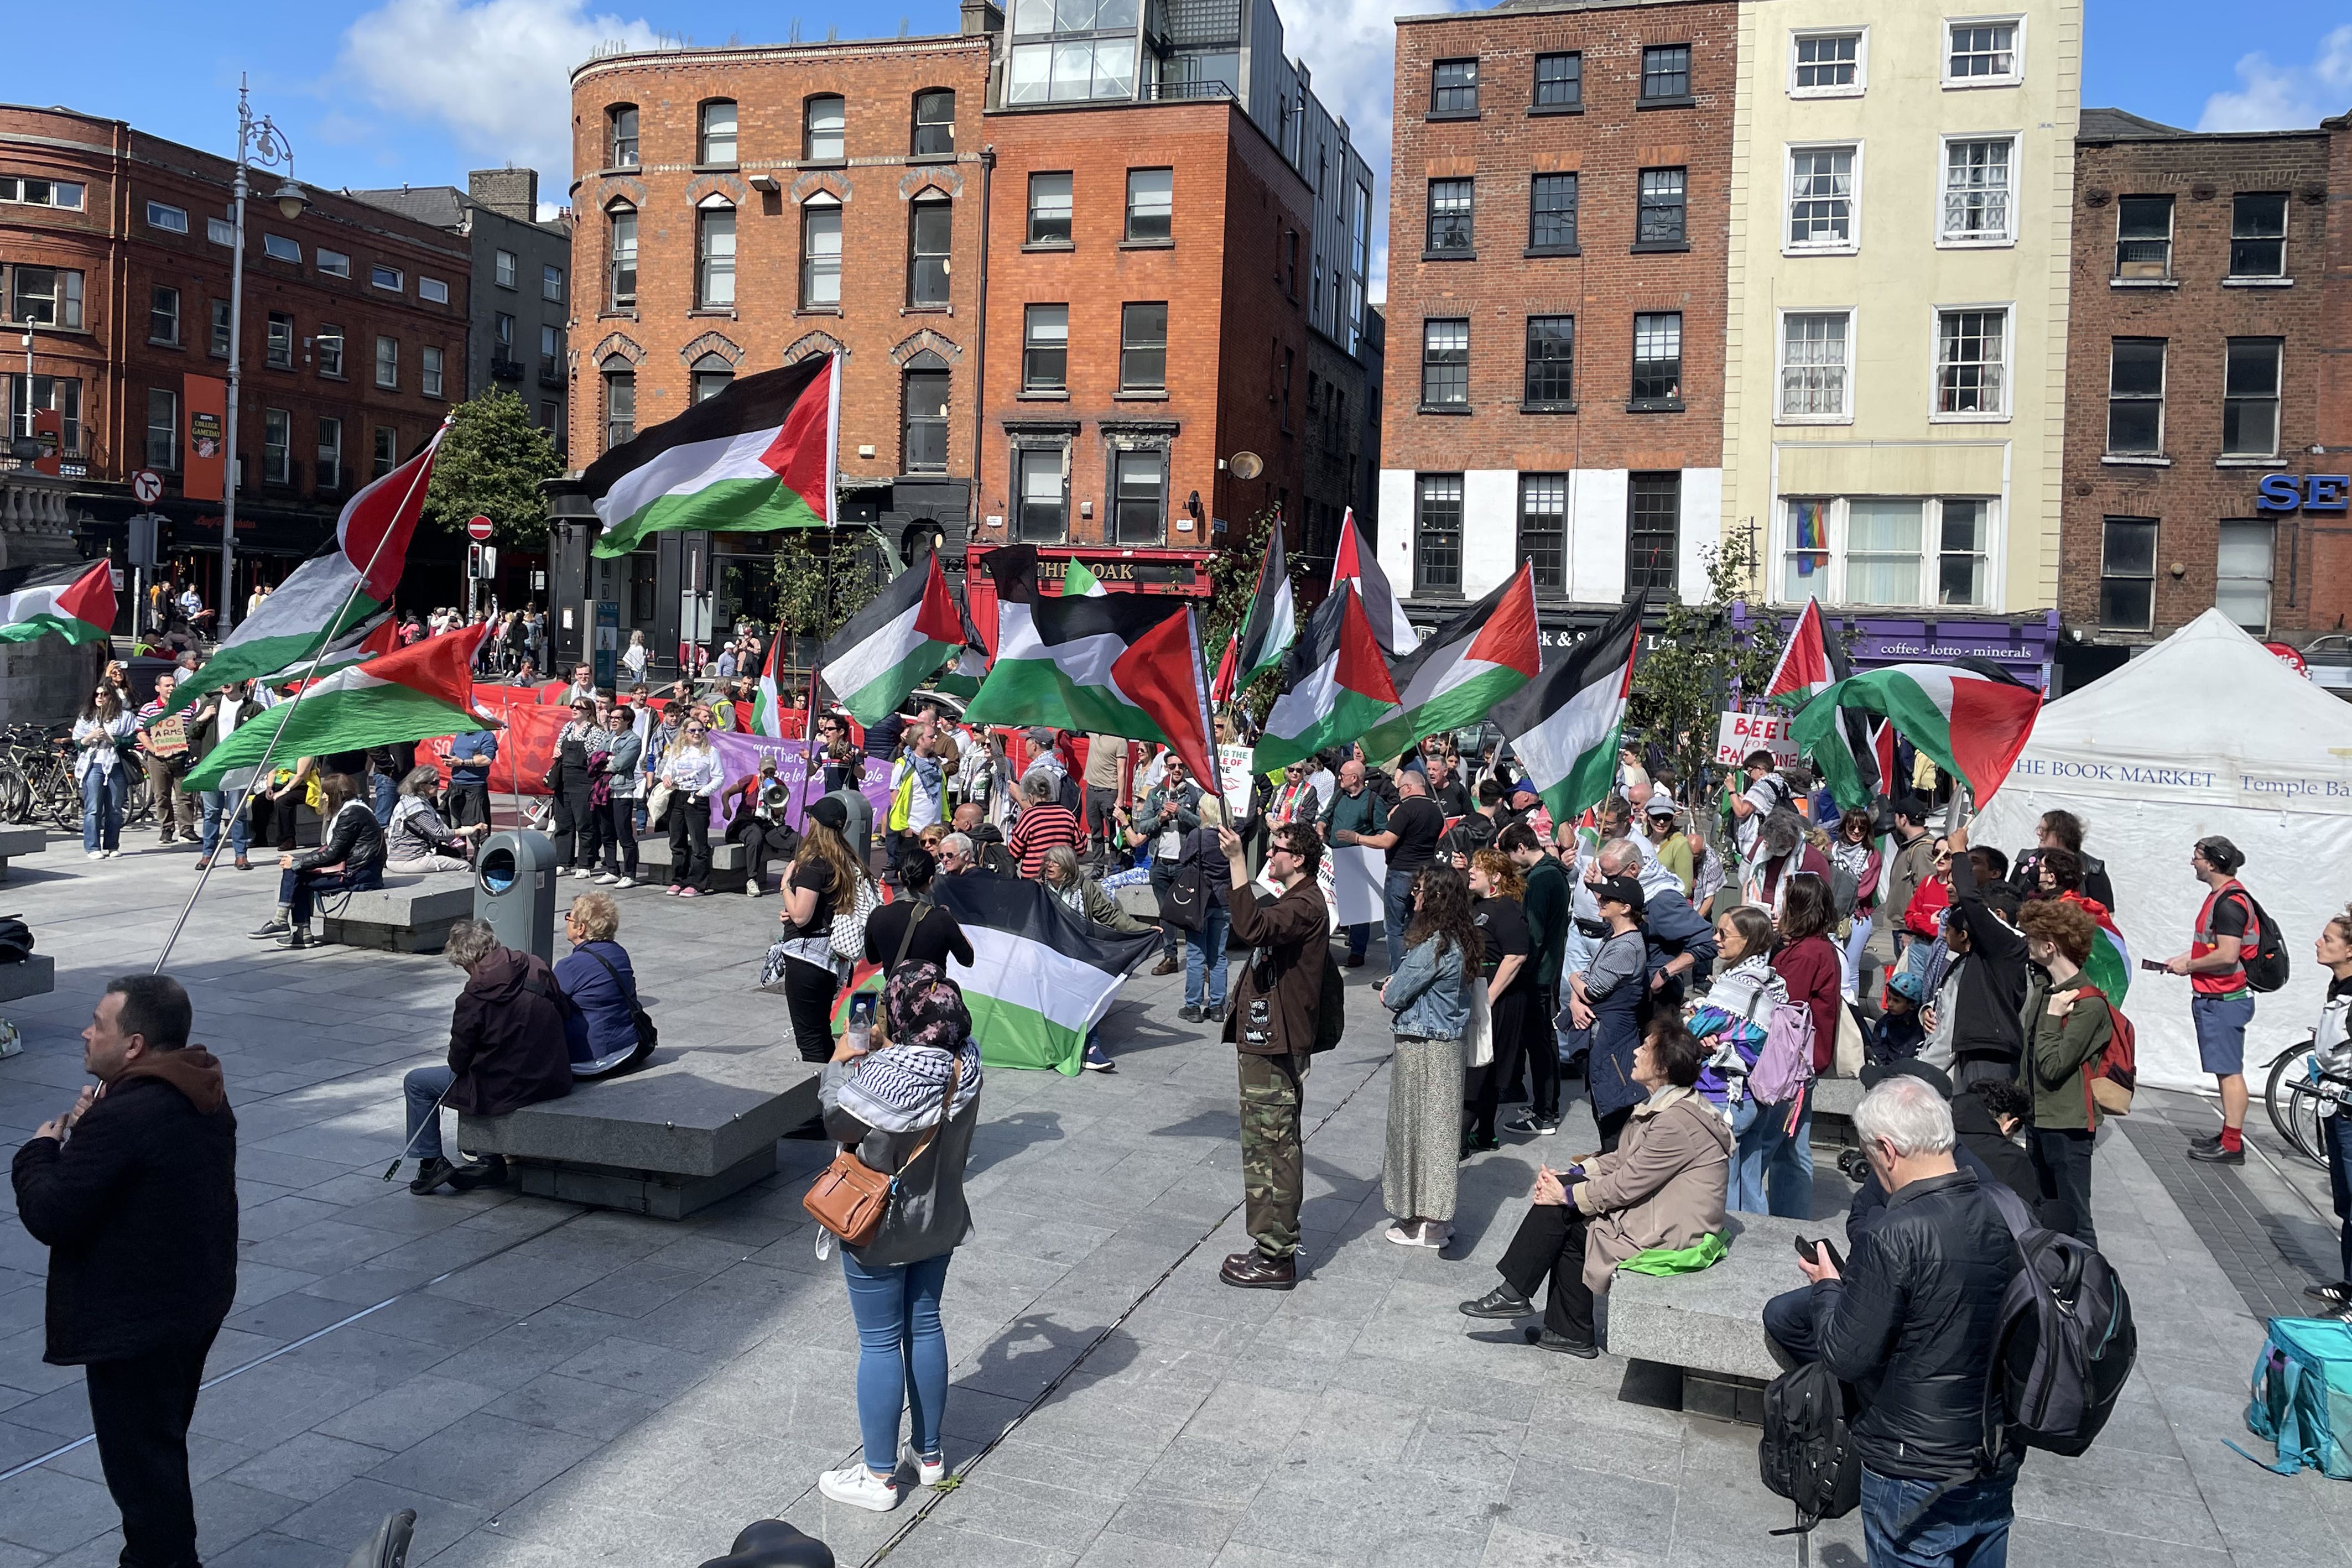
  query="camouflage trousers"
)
[{"x": 1273, "y": 1088}]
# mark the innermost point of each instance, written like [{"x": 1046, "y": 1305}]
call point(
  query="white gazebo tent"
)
[{"x": 2205, "y": 733}]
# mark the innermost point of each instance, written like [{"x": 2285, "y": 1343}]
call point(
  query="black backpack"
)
[
  {"x": 1331, "y": 1008},
  {"x": 1806, "y": 1454},
  {"x": 2066, "y": 1343},
  {"x": 2264, "y": 964}
]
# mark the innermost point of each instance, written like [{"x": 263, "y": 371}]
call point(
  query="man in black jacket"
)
[
  {"x": 134, "y": 1193},
  {"x": 1987, "y": 1028}
]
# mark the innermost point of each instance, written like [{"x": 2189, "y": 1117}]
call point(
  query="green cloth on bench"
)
[{"x": 1703, "y": 1253}]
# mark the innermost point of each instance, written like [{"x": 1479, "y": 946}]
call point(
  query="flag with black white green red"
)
[
  {"x": 1804, "y": 671},
  {"x": 1566, "y": 725},
  {"x": 421, "y": 692},
  {"x": 895, "y": 643},
  {"x": 1078, "y": 582},
  {"x": 760, "y": 455},
  {"x": 1272, "y": 623},
  {"x": 1355, "y": 562},
  {"x": 1041, "y": 975},
  {"x": 1335, "y": 686},
  {"x": 76, "y": 602},
  {"x": 962, "y": 678},
  {"x": 1462, "y": 668},
  {"x": 768, "y": 703},
  {"x": 1127, "y": 664},
  {"x": 1969, "y": 717}
]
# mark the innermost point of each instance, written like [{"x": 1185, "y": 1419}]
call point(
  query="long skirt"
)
[{"x": 1420, "y": 1168}]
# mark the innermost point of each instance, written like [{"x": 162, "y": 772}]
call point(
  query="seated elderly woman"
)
[
  {"x": 595, "y": 974},
  {"x": 1661, "y": 1189},
  {"x": 1082, "y": 894},
  {"x": 417, "y": 839}
]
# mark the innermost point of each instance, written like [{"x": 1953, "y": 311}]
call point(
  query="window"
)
[
  {"x": 932, "y": 228},
  {"x": 1046, "y": 348},
  {"x": 1665, "y": 73},
  {"x": 551, "y": 415},
  {"x": 1150, "y": 203},
  {"x": 279, "y": 350},
  {"x": 2136, "y": 396},
  {"x": 429, "y": 371},
  {"x": 1653, "y": 505},
  {"x": 62, "y": 393},
  {"x": 1139, "y": 498},
  {"x": 2250, "y": 398},
  {"x": 387, "y": 362},
  {"x": 1070, "y": 64},
  {"x": 621, "y": 259},
  {"x": 551, "y": 284},
  {"x": 502, "y": 338},
  {"x": 2242, "y": 587},
  {"x": 713, "y": 374},
  {"x": 2258, "y": 234},
  {"x": 1042, "y": 495},
  {"x": 1664, "y": 212},
  {"x": 1815, "y": 361},
  {"x": 329, "y": 347},
  {"x": 331, "y": 453},
  {"x": 1552, "y": 214},
  {"x": 1559, "y": 81},
  {"x": 506, "y": 265},
  {"x": 821, "y": 254},
  {"x": 49, "y": 295},
  {"x": 935, "y": 124},
  {"x": 1658, "y": 360},
  {"x": 387, "y": 452},
  {"x": 1049, "y": 209},
  {"x": 1882, "y": 554},
  {"x": 277, "y": 438},
  {"x": 162, "y": 429},
  {"x": 1821, "y": 198},
  {"x": 164, "y": 315},
  {"x": 167, "y": 217},
  {"x": 220, "y": 330},
  {"x": 1454, "y": 88},
  {"x": 220, "y": 231},
  {"x": 714, "y": 258},
  {"x": 1976, "y": 192},
  {"x": 1960, "y": 556},
  {"x": 1971, "y": 354},
  {"x": 1449, "y": 217},
  {"x": 1551, "y": 361},
  {"x": 1143, "y": 348},
  {"x": 1446, "y": 364},
  {"x": 2144, "y": 238},
  {"x": 432, "y": 290},
  {"x": 385, "y": 277},
  {"x": 1289, "y": 366},
  {"x": 620, "y": 401},
  {"x": 2128, "y": 574},
  {"x": 333, "y": 263},
  {"x": 1438, "y": 533},
  {"x": 40, "y": 192},
  {"x": 1825, "y": 65},
  {"x": 1981, "y": 54},
  {"x": 278, "y": 247},
  {"x": 825, "y": 129},
  {"x": 621, "y": 137},
  {"x": 551, "y": 353},
  {"x": 1543, "y": 528},
  {"x": 924, "y": 447},
  {"x": 716, "y": 142}
]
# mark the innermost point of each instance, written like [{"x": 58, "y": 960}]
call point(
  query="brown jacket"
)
[
  {"x": 1663, "y": 1187},
  {"x": 1291, "y": 935},
  {"x": 507, "y": 1040}
]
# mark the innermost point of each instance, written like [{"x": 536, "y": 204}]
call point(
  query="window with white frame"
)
[
  {"x": 387, "y": 363},
  {"x": 279, "y": 247},
  {"x": 220, "y": 231},
  {"x": 162, "y": 315},
  {"x": 620, "y": 401},
  {"x": 1041, "y": 494},
  {"x": 1978, "y": 205},
  {"x": 1437, "y": 533},
  {"x": 825, "y": 129},
  {"x": 2250, "y": 398},
  {"x": 385, "y": 277},
  {"x": 333, "y": 263},
  {"x": 715, "y": 142},
  {"x": 430, "y": 371},
  {"x": 821, "y": 252},
  {"x": 277, "y": 442},
  {"x": 1897, "y": 552},
  {"x": 432, "y": 290},
  {"x": 1543, "y": 528},
  {"x": 331, "y": 453},
  {"x": 2258, "y": 234},
  {"x": 2144, "y": 239},
  {"x": 162, "y": 429},
  {"x": 2135, "y": 397},
  {"x": 2241, "y": 574},
  {"x": 1822, "y": 199},
  {"x": 1816, "y": 365},
  {"x": 507, "y": 263},
  {"x": 34, "y": 191},
  {"x": 1972, "y": 362},
  {"x": 386, "y": 454},
  {"x": 46, "y": 296},
  {"x": 1826, "y": 65},
  {"x": 167, "y": 217},
  {"x": 1983, "y": 52},
  {"x": 621, "y": 257},
  {"x": 714, "y": 256},
  {"x": 1151, "y": 204},
  {"x": 1960, "y": 548},
  {"x": 330, "y": 346}
]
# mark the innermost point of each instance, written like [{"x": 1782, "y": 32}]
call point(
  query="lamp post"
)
[{"x": 257, "y": 141}]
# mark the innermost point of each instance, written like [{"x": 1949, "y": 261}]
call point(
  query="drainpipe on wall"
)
[{"x": 980, "y": 355}]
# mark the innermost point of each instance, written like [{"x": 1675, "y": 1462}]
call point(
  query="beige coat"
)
[{"x": 1663, "y": 1187}]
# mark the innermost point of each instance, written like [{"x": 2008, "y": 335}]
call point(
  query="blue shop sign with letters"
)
[{"x": 2311, "y": 492}]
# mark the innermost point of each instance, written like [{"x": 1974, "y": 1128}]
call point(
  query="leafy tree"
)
[
  {"x": 1233, "y": 583},
  {"x": 823, "y": 576},
  {"x": 490, "y": 464},
  {"x": 1699, "y": 663}
]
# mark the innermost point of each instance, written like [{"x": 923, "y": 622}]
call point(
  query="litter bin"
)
[{"x": 514, "y": 890}]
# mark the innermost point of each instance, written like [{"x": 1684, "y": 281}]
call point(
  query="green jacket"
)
[
  {"x": 2058, "y": 1047},
  {"x": 1548, "y": 909}
]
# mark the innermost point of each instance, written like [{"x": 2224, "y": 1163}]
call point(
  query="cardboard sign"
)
[
  {"x": 169, "y": 736},
  {"x": 1738, "y": 734}
]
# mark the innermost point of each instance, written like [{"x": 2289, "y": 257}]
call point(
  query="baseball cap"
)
[
  {"x": 831, "y": 813},
  {"x": 1623, "y": 890},
  {"x": 1908, "y": 1066},
  {"x": 1524, "y": 793},
  {"x": 1038, "y": 734},
  {"x": 1660, "y": 804}
]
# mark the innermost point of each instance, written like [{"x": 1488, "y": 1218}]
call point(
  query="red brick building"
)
[{"x": 118, "y": 245}]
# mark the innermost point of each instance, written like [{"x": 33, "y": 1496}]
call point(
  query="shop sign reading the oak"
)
[{"x": 1143, "y": 573}]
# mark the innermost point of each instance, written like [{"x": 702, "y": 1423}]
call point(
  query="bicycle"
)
[{"x": 2299, "y": 1096}]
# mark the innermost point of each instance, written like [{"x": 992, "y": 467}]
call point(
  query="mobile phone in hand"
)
[
  {"x": 1812, "y": 1251},
  {"x": 2157, "y": 964}
]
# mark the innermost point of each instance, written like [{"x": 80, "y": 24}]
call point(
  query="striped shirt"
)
[{"x": 1040, "y": 828}]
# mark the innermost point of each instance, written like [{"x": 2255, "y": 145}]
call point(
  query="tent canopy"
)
[{"x": 2205, "y": 733}]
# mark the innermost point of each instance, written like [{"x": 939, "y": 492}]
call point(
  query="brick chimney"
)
[{"x": 513, "y": 192}]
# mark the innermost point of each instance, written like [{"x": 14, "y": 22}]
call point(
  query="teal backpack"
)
[{"x": 2302, "y": 1395}]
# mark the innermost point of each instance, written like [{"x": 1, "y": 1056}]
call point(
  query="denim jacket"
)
[{"x": 1427, "y": 994}]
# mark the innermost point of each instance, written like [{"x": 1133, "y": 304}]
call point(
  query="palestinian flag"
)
[
  {"x": 1124, "y": 663},
  {"x": 1221, "y": 688},
  {"x": 423, "y": 691},
  {"x": 2109, "y": 965},
  {"x": 1335, "y": 686},
  {"x": 758, "y": 456},
  {"x": 1968, "y": 716},
  {"x": 331, "y": 595},
  {"x": 768, "y": 706},
  {"x": 894, "y": 644},
  {"x": 356, "y": 646},
  {"x": 1080, "y": 582},
  {"x": 1040, "y": 977},
  {"x": 1565, "y": 726},
  {"x": 1272, "y": 623},
  {"x": 1803, "y": 672},
  {"x": 971, "y": 661},
  {"x": 1354, "y": 563},
  {"x": 75, "y": 601},
  {"x": 1467, "y": 666}
]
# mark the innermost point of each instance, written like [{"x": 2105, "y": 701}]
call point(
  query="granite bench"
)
[
  {"x": 1139, "y": 900},
  {"x": 730, "y": 864},
  {"x": 675, "y": 1136},
  {"x": 406, "y": 914},
  {"x": 14, "y": 841},
  {"x": 36, "y": 977},
  {"x": 1709, "y": 1326}
]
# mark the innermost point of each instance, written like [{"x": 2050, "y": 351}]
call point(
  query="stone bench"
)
[
  {"x": 14, "y": 841},
  {"x": 36, "y": 977},
  {"x": 1139, "y": 901},
  {"x": 1709, "y": 1326},
  {"x": 730, "y": 864},
  {"x": 671, "y": 1138},
  {"x": 406, "y": 914}
]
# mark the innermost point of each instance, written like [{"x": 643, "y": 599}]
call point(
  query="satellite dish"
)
[{"x": 1246, "y": 465}]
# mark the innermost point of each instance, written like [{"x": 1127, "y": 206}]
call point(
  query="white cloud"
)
[
  {"x": 494, "y": 75},
  {"x": 2273, "y": 96}
]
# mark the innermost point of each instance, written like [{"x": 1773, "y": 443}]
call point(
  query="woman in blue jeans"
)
[
  {"x": 908, "y": 1106},
  {"x": 106, "y": 724},
  {"x": 1204, "y": 950}
]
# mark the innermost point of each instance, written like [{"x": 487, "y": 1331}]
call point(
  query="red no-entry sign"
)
[{"x": 477, "y": 529}]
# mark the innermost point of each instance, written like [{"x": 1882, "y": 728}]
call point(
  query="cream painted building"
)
[{"x": 1894, "y": 388}]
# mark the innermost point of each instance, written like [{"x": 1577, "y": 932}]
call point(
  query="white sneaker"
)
[
  {"x": 752, "y": 890},
  {"x": 626, "y": 882},
  {"x": 94, "y": 855},
  {"x": 608, "y": 880},
  {"x": 858, "y": 1487},
  {"x": 583, "y": 872},
  {"x": 929, "y": 1474}
]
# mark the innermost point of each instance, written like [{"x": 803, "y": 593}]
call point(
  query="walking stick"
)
[{"x": 433, "y": 1120}]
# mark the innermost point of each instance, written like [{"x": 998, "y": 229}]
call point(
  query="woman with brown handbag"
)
[{"x": 904, "y": 1110}]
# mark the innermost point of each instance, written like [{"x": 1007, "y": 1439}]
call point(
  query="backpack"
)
[
  {"x": 1330, "y": 1009},
  {"x": 1072, "y": 795},
  {"x": 1785, "y": 1065},
  {"x": 847, "y": 935},
  {"x": 2065, "y": 1343},
  {"x": 2112, "y": 1078},
  {"x": 1806, "y": 1454},
  {"x": 1843, "y": 890},
  {"x": 2265, "y": 963}
]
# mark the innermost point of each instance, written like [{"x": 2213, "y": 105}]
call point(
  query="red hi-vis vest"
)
[{"x": 2222, "y": 982}]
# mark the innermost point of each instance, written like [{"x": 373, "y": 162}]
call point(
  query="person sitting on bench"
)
[{"x": 349, "y": 859}]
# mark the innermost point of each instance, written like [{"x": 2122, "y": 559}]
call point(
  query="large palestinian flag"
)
[
  {"x": 1335, "y": 686},
  {"x": 1566, "y": 725},
  {"x": 422, "y": 691},
  {"x": 1803, "y": 672},
  {"x": 332, "y": 594},
  {"x": 760, "y": 455},
  {"x": 1355, "y": 562},
  {"x": 1465, "y": 668},
  {"x": 1117, "y": 663},
  {"x": 1272, "y": 623},
  {"x": 1810, "y": 664},
  {"x": 1968, "y": 716},
  {"x": 897, "y": 642},
  {"x": 1040, "y": 977},
  {"x": 75, "y": 601}
]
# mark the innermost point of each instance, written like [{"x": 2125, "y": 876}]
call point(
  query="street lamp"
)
[{"x": 259, "y": 141}]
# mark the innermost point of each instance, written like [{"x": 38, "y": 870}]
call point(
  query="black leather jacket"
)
[
  {"x": 353, "y": 839},
  {"x": 1912, "y": 1325}
]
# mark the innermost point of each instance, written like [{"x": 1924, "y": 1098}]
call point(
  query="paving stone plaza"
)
[{"x": 550, "y": 1386}]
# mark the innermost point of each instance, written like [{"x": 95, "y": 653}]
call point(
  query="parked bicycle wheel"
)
[
  {"x": 2297, "y": 1102},
  {"x": 16, "y": 795},
  {"x": 137, "y": 801}
]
